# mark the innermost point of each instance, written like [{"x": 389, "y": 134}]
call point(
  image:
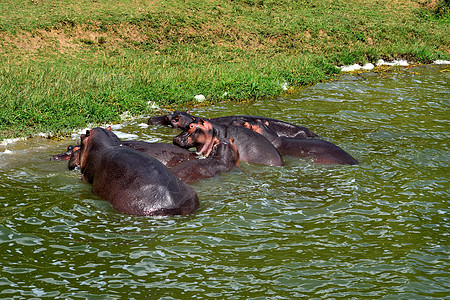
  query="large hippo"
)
[
  {"x": 134, "y": 183},
  {"x": 321, "y": 152},
  {"x": 223, "y": 157},
  {"x": 180, "y": 119},
  {"x": 252, "y": 147}
]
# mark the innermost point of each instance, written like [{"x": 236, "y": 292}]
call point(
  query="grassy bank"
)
[{"x": 66, "y": 64}]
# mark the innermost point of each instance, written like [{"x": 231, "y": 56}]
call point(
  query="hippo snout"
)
[{"x": 180, "y": 141}]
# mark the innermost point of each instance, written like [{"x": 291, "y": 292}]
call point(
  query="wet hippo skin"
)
[{"x": 134, "y": 183}]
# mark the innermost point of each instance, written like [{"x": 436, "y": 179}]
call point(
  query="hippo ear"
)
[
  {"x": 267, "y": 123},
  {"x": 109, "y": 128},
  {"x": 232, "y": 140},
  {"x": 187, "y": 111},
  {"x": 88, "y": 133}
]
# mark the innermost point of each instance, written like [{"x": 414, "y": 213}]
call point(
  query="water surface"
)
[{"x": 375, "y": 230}]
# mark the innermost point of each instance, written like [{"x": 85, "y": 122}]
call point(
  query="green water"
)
[{"x": 376, "y": 230}]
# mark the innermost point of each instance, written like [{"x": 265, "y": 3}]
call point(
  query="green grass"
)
[{"x": 66, "y": 64}]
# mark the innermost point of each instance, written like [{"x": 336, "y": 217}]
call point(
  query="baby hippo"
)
[
  {"x": 223, "y": 157},
  {"x": 134, "y": 183}
]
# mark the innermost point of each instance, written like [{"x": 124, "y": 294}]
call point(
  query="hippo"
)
[
  {"x": 64, "y": 155},
  {"x": 180, "y": 119},
  {"x": 321, "y": 151},
  {"x": 223, "y": 156},
  {"x": 134, "y": 183},
  {"x": 252, "y": 147},
  {"x": 72, "y": 154}
]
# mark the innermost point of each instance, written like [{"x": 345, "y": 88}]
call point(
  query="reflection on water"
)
[{"x": 378, "y": 229}]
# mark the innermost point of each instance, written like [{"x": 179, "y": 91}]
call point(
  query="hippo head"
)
[
  {"x": 180, "y": 119},
  {"x": 226, "y": 150},
  {"x": 177, "y": 119},
  {"x": 199, "y": 134},
  {"x": 65, "y": 155},
  {"x": 260, "y": 127},
  {"x": 96, "y": 139},
  {"x": 74, "y": 160}
]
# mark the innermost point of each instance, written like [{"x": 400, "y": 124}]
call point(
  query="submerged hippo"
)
[
  {"x": 252, "y": 147},
  {"x": 134, "y": 183},
  {"x": 320, "y": 151}
]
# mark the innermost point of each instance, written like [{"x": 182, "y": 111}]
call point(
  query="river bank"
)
[{"x": 64, "y": 65}]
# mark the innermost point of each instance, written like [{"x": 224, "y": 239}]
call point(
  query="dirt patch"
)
[{"x": 73, "y": 38}]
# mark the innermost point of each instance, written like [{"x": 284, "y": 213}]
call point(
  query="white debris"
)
[
  {"x": 200, "y": 98},
  {"x": 152, "y": 105},
  {"x": 284, "y": 86}
]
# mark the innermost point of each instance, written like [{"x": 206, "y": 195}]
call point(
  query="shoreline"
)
[{"x": 125, "y": 117}]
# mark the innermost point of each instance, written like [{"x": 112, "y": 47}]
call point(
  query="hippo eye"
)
[{"x": 176, "y": 119}]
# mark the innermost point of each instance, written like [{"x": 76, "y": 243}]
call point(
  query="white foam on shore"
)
[
  {"x": 11, "y": 141},
  {"x": 357, "y": 67},
  {"x": 441, "y": 62},
  {"x": 382, "y": 62},
  {"x": 396, "y": 62}
]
